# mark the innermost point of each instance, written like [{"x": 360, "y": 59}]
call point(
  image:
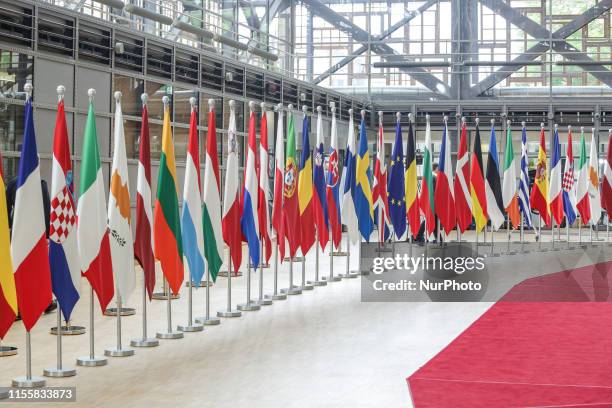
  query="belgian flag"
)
[{"x": 477, "y": 185}]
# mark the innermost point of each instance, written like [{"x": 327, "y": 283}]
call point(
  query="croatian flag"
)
[
  {"x": 444, "y": 200},
  {"x": 320, "y": 205},
  {"x": 249, "y": 220},
  {"x": 63, "y": 244},
  {"x": 333, "y": 186},
  {"x": 556, "y": 198},
  {"x": 568, "y": 184},
  {"x": 29, "y": 248}
]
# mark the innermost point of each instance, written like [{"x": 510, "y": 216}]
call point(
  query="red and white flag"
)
[
  {"x": 232, "y": 234},
  {"x": 263, "y": 209},
  {"x": 379, "y": 188},
  {"x": 279, "y": 181},
  {"x": 463, "y": 198}
]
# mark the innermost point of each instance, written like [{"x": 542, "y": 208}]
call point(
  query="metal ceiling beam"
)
[
  {"x": 346, "y": 60},
  {"x": 388, "y": 53},
  {"x": 276, "y": 6},
  {"x": 542, "y": 46}
]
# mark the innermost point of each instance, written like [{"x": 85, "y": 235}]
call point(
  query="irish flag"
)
[
  {"x": 426, "y": 199},
  {"x": 211, "y": 211},
  {"x": 8, "y": 294},
  {"x": 167, "y": 239},
  {"x": 93, "y": 237},
  {"x": 582, "y": 185},
  {"x": 509, "y": 191}
]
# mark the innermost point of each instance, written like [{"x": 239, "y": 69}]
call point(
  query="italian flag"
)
[
  {"x": 426, "y": 200},
  {"x": 509, "y": 191},
  {"x": 168, "y": 245}
]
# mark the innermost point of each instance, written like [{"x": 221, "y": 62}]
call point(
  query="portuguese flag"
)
[
  {"x": 291, "y": 210},
  {"x": 166, "y": 218},
  {"x": 426, "y": 200}
]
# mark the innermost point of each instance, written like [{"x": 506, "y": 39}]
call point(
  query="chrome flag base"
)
[
  {"x": 125, "y": 311},
  {"x": 192, "y": 328},
  {"x": 164, "y": 296},
  {"x": 295, "y": 290},
  {"x": 306, "y": 287},
  {"x": 317, "y": 283},
  {"x": 223, "y": 274},
  {"x": 91, "y": 361},
  {"x": 170, "y": 335},
  {"x": 229, "y": 313},
  {"x": 118, "y": 352},
  {"x": 68, "y": 330},
  {"x": 197, "y": 285},
  {"x": 6, "y": 351},
  {"x": 59, "y": 372},
  {"x": 249, "y": 307},
  {"x": 278, "y": 296},
  {"x": 4, "y": 395},
  {"x": 349, "y": 275},
  {"x": 144, "y": 343},
  {"x": 334, "y": 278},
  {"x": 211, "y": 321},
  {"x": 264, "y": 302},
  {"x": 32, "y": 382}
]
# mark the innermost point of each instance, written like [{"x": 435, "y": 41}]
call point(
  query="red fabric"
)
[
  {"x": 522, "y": 354},
  {"x": 232, "y": 233},
  {"x": 606, "y": 187},
  {"x": 444, "y": 203},
  {"x": 462, "y": 206},
  {"x": 262, "y": 202},
  {"x": 537, "y": 199},
  {"x": 277, "y": 211},
  {"x": 100, "y": 274},
  {"x": 425, "y": 207}
]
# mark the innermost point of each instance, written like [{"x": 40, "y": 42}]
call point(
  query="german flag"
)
[{"x": 477, "y": 185}]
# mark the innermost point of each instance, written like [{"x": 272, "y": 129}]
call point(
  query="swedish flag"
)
[{"x": 363, "y": 192}]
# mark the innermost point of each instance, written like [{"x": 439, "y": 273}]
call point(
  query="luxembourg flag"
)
[
  {"x": 555, "y": 196},
  {"x": 63, "y": 245},
  {"x": 569, "y": 187},
  {"x": 191, "y": 219},
  {"x": 29, "y": 248},
  {"x": 249, "y": 220}
]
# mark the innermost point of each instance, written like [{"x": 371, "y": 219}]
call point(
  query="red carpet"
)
[{"x": 530, "y": 354}]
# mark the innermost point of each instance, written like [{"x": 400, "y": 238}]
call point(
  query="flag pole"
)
[
  {"x": 262, "y": 301},
  {"x": 580, "y": 231},
  {"x": 169, "y": 334},
  {"x": 28, "y": 381},
  {"x": 144, "y": 341},
  {"x": 522, "y": 232},
  {"x": 249, "y": 305},
  {"x": 119, "y": 351},
  {"x": 331, "y": 277},
  {"x": 207, "y": 320},
  {"x": 229, "y": 312},
  {"x": 191, "y": 327},
  {"x": 540, "y": 232},
  {"x": 92, "y": 360},
  {"x": 276, "y": 295},
  {"x": 59, "y": 371},
  {"x": 317, "y": 281},
  {"x": 292, "y": 289}
]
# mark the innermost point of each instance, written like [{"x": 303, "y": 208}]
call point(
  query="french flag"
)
[
  {"x": 29, "y": 248},
  {"x": 249, "y": 219},
  {"x": 63, "y": 245},
  {"x": 444, "y": 201},
  {"x": 555, "y": 194}
]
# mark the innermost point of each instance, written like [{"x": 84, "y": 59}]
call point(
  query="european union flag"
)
[{"x": 396, "y": 191}]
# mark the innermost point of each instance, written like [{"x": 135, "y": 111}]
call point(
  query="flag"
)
[
  {"x": 291, "y": 210},
  {"x": 363, "y": 194},
  {"x": 231, "y": 205},
  {"x": 568, "y": 185},
  {"x": 192, "y": 225},
  {"x": 249, "y": 221},
  {"x": 463, "y": 200},
  {"x": 411, "y": 184},
  {"x": 119, "y": 213},
  {"x": 29, "y": 248},
  {"x": 279, "y": 183},
  {"x": 555, "y": 196},
  {"x": 143, "y": 247},
  {"x": 319, "y": 202},
  {"x": 397, "y": 192},
  {"x": 583, "y": 203},
  {"x": 444, "y": 199},
  {"x": 8, "y": 293},
  {"x": 167, "y": 238},
  {"x": 92, "y": 223},
  {"x": 509, "y": 193},
  {"x": 539, "y": 191},
  {"x": 211, "y": 211},
  {"x": 379, "y": 190},
  {"x": 477, "y": 184},
  {"x": 263, "y": 201},
  {"x": 305, "y": 191},
  {"x": 495, "y": 204},
  {"x": 524, "y": 203},
  {"x": 606, "y": 183},
  {"x": 594, "y": 197},
  {"x": 63, "y": 246},
  {"x": 332, "y": 190},
  {"x": 426, "y": 199},
  {"x": 348, "y": 212}
]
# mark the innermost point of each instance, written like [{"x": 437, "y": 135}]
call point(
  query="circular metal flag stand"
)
[
  {"x": 28, "y": 381},
  {"x": 119, "y": 351},
  {"x": 262, "y": 301},
  {"x": 235, "y": 274},
  {"x": 68, "y": 330},
  {"x": 249, "y": 306},
  {"x": 291, "y": 289},
  {"x": 92, "y": 360},
  {"x": 4, "y": 394},
  {"x": 7, "y": 351},
  {"x": 202, "y": 284},
  {"x": 275, "y": 294},
  {"x": 60, "y": 370},
  {"x": 169, "y": 334},
  {"x": 348, "y": 274},
  {"x": 124, "y": 311},
  {"x": 190, "y": 327},
  {"x": 229, "y": 312},
  {"x": 317, "y": 281},
  {"x": 144, "y": 341},
  {"x": 207, "y": 320},
  {"x": 163, "y": 295},
  {"x": 332, "y": 277}
]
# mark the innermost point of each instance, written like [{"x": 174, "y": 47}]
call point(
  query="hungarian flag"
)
[
  {"x": 279, "y": 183},
  {"x": 231, "y": 205},
  {"x": 319, "y": 202},
  {"x": 524, "y": 203},
  {"x": 29, "y": 248},
  {"x": 444, "y": 199},
  {"x": 92, "y": 230},
  {"x": 166, "y": 219},
  {"x": 495, "y": 203},
  {"x": 291, "y": 210},
  {"x": 211, "y": 211},
  {"x": 606, "y": 183},
  {"x": 509, "y": 193},
  {"x": 426, "y": 199},
  {"x": 477, "y": 184},
  {"x": 463, "y": 200},
  {"x": 8, "y": 293},
  {"x": 555, "y": 195},
  {"x": 307, "y": 226},
  {"x": 63, "y": 245},
  {"x": 263, "y": 209},
  {"x": 143, "y": 247},
  {"x": 119, "y": 212},
  {"x": 332, "y": 192},
  {"x": 411, "y": 185},
  {"x": 363, "y": 194},
  {"x": 192, "y": 227},
  {"x": 379, "y": 189},
  {"x": 539, "y": 191},
  {"x": 583, "y": 203},
  {"x": 249, "y": 221},
  {"x": 594, "y": 197},
  {"x": 397, "y": 193},
  {"x": 568, "y": 185},
  {"x": 349, "y": 214}
]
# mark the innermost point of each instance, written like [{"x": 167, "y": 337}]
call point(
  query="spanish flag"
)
[
  {"x": 477, "y": 185},
  {"x": 8, "y": 293},
  {"x": 166, "y": 218},
  {"x": 539, "y": 191}
]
